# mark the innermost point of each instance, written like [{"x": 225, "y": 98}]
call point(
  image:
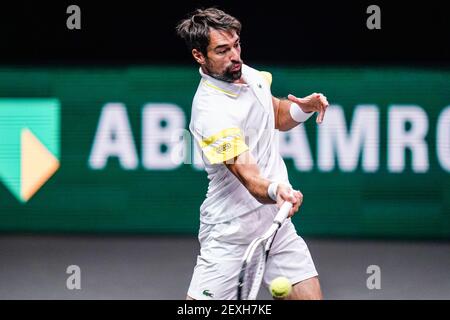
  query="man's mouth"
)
[{"x": 236, "y": 67}]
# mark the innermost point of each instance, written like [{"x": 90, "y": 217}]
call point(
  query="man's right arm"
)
[{"x": 245, "y": 168}]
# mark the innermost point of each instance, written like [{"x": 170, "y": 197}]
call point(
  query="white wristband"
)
[
  {"x": 298, "y": 114},
  {"x": 272, "y": 191}
]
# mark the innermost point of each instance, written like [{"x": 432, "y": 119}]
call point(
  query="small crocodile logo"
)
[{"x": 208, "y": 294}]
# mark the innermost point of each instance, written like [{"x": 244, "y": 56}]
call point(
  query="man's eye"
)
[{"x": 222, "y": 51}]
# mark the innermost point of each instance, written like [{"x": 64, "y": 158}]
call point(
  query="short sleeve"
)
[
  {"x": 224, "y": 145},
  {"x": 218, "y": 134}
]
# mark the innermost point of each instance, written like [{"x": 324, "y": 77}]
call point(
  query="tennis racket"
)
[{"x": 254, "y": 260}]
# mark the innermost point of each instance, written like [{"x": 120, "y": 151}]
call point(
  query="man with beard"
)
[{"x": 235, "y": 122}]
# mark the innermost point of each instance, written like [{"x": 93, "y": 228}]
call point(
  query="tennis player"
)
[{"x": 235, "y": 122}]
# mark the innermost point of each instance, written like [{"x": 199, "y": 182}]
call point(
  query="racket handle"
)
[{"x": 283, "y": 212}]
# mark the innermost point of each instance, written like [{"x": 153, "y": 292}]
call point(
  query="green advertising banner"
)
[{"x": 106, "y": 150}]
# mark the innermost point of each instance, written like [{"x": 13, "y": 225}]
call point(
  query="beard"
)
[{"x": 228, "y": 75}]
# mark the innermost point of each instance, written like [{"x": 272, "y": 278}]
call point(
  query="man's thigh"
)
[{"x": 308, "y": 289}]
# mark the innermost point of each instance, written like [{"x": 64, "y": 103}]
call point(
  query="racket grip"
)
[{"x": 283, "y": 212}]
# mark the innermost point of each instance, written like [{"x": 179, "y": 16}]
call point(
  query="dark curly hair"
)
[{"x": 195, "y": 29}]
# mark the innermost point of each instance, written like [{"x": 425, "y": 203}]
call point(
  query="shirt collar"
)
[{"x": 228, "y": 88}]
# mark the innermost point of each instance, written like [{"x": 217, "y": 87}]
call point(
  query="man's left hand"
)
[{"x": 315, "y": 102}]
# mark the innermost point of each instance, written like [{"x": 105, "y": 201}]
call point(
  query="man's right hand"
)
[{"x": 285, "y": 193}]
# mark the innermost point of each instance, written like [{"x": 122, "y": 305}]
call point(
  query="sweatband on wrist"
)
[
  {"x": 272, "y": 190},
  {"x": 298, "y": 114}
]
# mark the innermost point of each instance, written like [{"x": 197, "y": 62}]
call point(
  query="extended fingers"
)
[
  {"x": 316, "y": 102},
  {"x": 322, "y": 108}
]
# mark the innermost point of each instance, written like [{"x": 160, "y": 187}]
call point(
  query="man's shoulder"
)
[
  {"x": 258, "y": 74},
  {"x": 208, "y": 109},
  {"x": 207, "y": 98},
  {"x": 249, "y": 71}
]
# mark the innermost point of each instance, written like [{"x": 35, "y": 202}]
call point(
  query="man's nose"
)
[{"x": 235, "y": 56}]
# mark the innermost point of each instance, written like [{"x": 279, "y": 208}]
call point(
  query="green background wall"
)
[{"x": 358, "y": 203}]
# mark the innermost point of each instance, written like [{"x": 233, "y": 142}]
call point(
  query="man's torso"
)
[{"x": 228, "y": 119}]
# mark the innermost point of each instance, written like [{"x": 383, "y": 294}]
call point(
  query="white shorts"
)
[{"x": 222, "y": 247}]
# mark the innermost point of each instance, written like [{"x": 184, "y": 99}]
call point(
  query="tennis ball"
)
[{"x": 280, "y": 287}]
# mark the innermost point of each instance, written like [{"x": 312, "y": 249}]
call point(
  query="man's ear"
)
[{"x": 198, "y": 56}]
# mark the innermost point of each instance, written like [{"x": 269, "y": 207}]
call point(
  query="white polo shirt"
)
[{"x": 227, "y": 119}]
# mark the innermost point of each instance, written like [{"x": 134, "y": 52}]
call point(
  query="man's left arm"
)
[{"x": 292, "y": 111}]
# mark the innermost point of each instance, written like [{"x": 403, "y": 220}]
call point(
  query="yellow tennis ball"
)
[{"x": 280, "y": 287}]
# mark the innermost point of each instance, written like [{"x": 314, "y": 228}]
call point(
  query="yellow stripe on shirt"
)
[
  {"x": 225, "y": 150},
  {"x": 220, "y": 135},
  {"x": 224, "y": 145},
  {"x": 219, "y": 89}
]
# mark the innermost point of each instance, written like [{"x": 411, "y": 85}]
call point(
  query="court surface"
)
[{"x": 149, "y": 267}]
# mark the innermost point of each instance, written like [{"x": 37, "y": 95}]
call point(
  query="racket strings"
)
[{"x": 254, "y": 272}]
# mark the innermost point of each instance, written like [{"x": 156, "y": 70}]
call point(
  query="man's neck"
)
[{"x": 240, "y": 80}]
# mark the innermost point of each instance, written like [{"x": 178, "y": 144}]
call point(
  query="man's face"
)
[{"x": 223, "y": 58}]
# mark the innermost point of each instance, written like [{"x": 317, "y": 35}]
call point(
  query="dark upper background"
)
[{"x": 279, "y": 32}]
